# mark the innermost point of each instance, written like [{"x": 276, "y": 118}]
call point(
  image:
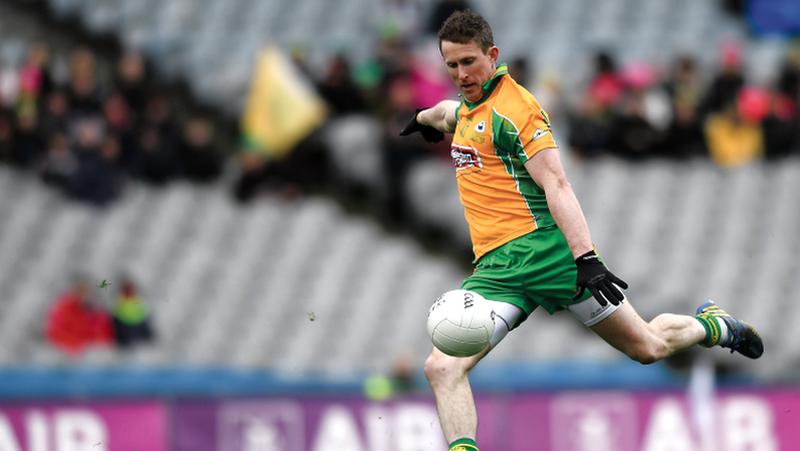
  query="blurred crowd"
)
[
  {"x": 635, "y": 112},
  {"x": 85, "y": 135},
  {"x": 400, "y": 77},
  {"x": 79, "y": 318}
]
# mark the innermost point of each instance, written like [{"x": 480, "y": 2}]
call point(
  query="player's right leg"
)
[
  {"x": 447, "y": 376},
  {"x": 455, "y": 404}
]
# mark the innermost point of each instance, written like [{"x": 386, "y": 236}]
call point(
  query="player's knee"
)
[
  {"x": 442, "y": 368},
  {"x": 647, "y": 352},
  {"x": 644, "y": 357}
]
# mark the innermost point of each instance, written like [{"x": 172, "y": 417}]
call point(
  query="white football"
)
[{"x": 461, "y": 323}]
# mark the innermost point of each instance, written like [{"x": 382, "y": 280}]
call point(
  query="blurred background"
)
[{"x": 212, "y": 238}]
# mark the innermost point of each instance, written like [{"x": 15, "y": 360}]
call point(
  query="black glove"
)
[
  {"x": 594, "y": 275},
  {"x": 429, "y": 133}
]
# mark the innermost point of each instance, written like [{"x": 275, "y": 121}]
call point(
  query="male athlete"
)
[{"x": 531, "y": 241}]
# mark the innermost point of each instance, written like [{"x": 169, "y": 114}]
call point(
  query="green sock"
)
[
  {"x": 464, "y": 444},
  {"x": 712, "y": 328}
]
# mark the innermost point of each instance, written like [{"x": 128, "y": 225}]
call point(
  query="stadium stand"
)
[
  {"x": 302, "y": 287},
  {"x": 229, "y": 284}
]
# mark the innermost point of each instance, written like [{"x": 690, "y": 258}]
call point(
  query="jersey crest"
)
[{"x": 465, "y": 157}]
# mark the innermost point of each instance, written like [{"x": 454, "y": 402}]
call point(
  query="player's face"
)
[{"x": 469, "y": 67}]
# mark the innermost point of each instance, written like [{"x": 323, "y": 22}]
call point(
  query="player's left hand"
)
[
  {"x": 594, "y": 276},
  {"x": 429, "y": 133}
]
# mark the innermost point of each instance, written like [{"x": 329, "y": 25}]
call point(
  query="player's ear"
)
[{"x": 494, "y": 52}]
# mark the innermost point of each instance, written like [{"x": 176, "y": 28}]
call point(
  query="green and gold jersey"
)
[{"x": 494, "y": 137}]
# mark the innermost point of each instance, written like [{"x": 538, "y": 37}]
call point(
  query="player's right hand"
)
[
  {"x": 595, "y": 277},
  {"x": 428, "y": 133}
]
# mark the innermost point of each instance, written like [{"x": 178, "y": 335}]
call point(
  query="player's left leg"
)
[
  {"x": 724, "y": 330},
  {"x": 622, "y": 327},
  {"x": 647, "y": 342}
]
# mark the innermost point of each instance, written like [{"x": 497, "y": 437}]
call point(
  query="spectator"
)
[
  {"x": 153, "y": 154},
  {"x": 726, "y": 85},
  {"x": 789, "y": 75},
  {"x": 156, "y": 162},
  {"x": 684, "y": 137},
  {"x": 28, "y": 145},
  {"x": 338, "y": 88},
  {"x": 605, "y": 86},
  {"x": 633, "y": 137},
  {"x": 684, "y": 83},
  {"x": 590, "y": 128},
  {"x": 99, "y": 177},
  {"x": 75, "y": 322},
  {"x": 402, "y": 375},
  {"x": 84, "y": 95},
  {"x": 55, "y": 117},
  {"x": 779, "y": 127},
  {"x": 159, "y": 115},
  {"x": 399, "y": 382},
  {"x": 130, "y": 317},
  {"x": 782, "y": 126},
  {"x": 640, "y": 80},
  {"x": 732, "y": 139},
  {"x": 393, "y": 57},
  {"x": 592, "y": 125},
  {"x": 35, "y": 81},
  {"x": 430, "y": 83},
  {"x": 132, "y": 81},
  {"x": 120, "y": 121},
  {"x": 60, "y": 165},
  {"x": 6, "y": 135},
  {"x": 399, "y": 154},
  {"x": 199, "y": 157}
]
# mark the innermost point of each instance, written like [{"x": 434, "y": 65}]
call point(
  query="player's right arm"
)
[
  {"x": 433, "y": 122},
  {"x": 441, "y": 116}
]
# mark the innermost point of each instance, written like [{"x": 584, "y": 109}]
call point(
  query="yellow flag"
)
[{"x": 282, "y": 108}]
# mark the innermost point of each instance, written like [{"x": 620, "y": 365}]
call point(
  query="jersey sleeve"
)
[{"x": 523, "y": 129}]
